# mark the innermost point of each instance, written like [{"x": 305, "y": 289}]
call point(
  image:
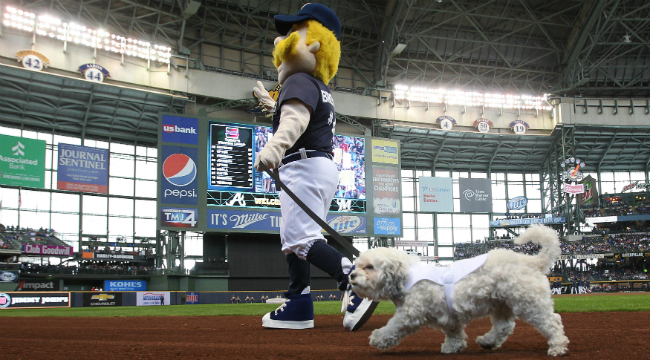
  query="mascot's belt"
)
[{"x": 443, "y": 275}]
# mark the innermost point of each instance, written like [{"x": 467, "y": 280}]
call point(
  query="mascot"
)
[{"x": 307, "y": 57}]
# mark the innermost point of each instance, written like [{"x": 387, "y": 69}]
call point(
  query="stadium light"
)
[
  {"x": 49, "y": 26},
  {"x": 470, "y": 98}
]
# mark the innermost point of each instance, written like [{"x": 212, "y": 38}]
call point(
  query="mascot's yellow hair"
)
[
  {"x": 327, "y": 57},
  {"x": 329, "y": 54}
]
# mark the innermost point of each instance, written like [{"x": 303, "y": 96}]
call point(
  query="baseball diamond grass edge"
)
[{"x": 563, "y": 304}]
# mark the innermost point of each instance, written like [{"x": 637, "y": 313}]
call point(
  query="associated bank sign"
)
[
  {"x": 22, "y": 161},
  {"x": 125, "y": 285}
]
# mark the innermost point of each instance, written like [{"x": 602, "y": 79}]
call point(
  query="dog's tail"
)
[{"x": 550, "y": 242}]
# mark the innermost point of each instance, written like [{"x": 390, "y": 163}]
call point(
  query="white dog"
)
[{"x": 507, "y": 286}]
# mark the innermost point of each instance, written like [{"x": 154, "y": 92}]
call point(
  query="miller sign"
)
[{"x": 574, "y": 189}]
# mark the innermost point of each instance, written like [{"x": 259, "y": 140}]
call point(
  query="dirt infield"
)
[{"x": 624, "y": 335}]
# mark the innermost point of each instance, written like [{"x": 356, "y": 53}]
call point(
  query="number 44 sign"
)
[
  {"x": 94, "y": 72},
  {"x": 32, "y": 60}
]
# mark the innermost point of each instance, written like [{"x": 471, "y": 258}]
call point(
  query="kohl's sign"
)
[
  {"x": 53, "y": 250},
  {"x": 125, "y": 285}
]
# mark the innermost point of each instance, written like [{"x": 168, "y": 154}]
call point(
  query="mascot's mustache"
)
[{"x": 285, "y": 48}]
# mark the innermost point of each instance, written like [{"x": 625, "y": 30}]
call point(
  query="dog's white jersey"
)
[{"x": 446, "y": 276}]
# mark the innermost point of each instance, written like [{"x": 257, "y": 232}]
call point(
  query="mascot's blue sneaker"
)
[
  {"x": 295, "y": 313},
  {"x": 357, "y": 311}
]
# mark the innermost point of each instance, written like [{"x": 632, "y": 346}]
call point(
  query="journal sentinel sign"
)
[
  {"x": 125, "y": 285},
  {"x": 176, "y": 129},
  {"x": 82, "y": 168}
]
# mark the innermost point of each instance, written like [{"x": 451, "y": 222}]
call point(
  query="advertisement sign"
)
[
  {"x": 125, "y": 285},
  {"x": 82, "y": 168},
  {"x": 530, "y": 221},
  {"x": 22, "y": 161},
  {"x": 386, "y": 186},
  {"x": 347, "y": 224},
  {"x": 7, "y": 276},
  {"x": 115, "y": 256},
  {"x": 436, "y": 194},
  {"x": 591, "y": 191},
  {"x": 412, "y": 243},
  {"x": 574, "y": 189},
  {"x": 385, "y": 151},
  {"x": 192, "y": 298},
  {"x": 17, "y": 300},
  {"x": 38, "y": 285},
  {"x": 244, "y": 220},
  {"x": 51, "y": 250},
  {"x": 517, "y": 203},
  {"x": 388, "y": 226},
  {"x": 475, "y": 195},
  {"x": 178, "y": 179},
  {"x": 175, "y": 217},
  {"x": 102, "y": 299},
  {"x": 151, "y": 298},
  {"x": 176, "y": 129}
]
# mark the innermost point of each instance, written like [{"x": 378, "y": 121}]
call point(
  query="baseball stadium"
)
[{"x": 345, "y": 179}]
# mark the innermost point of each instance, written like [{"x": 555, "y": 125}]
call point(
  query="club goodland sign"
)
[{"x": 22, "y": 161}]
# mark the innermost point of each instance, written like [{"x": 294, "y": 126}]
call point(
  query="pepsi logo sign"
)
[
  {"x": 517, "y": 203},
  {"x": 179, "y": 169}
]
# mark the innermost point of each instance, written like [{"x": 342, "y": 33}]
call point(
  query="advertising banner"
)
[
  {"x": 475, "y": 195},
  {"x": 38, "y": 285},
  {"x": 573, "y": 189},
  {"x": 436, "y": 194},
  {"x": 7, "y": 276},
  {"x": 22, "y": 161},
  {"x": 52, "y": 250},
  {"x": 530, "y": 221},
  {"x": 386, "y": 186},
  {"x": 115, "y": 256},
  {"x": 125, "y": 285},
  {"x": 176, "y": 129},
  {"x": 591, "y": 191},
  {"x": 102, "y": 299},
  {"x": 82, "y": 168},
  {"x": 192, "y": 298},
  {"x": 176, "y": 217},
  {"x": 517, "y": 203},
  {"x": 244, "y": 220},
  {"x": 151, "y": 298},
  {"x": 348, "y": 224},
  {"x": 178, "y": 179},
  {"x": 17, "y": 300},
  {"x": 385, "y": 151},
  {"x": 388, "y": 226},
  {"x": 412, "y": 243}
]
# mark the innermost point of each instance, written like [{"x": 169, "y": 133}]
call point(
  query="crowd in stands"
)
[
  {"x": 13, "y": 237},
  {"x": 90, "y": 268},
  {"x": 631, "y": 242},
  {"x": 615, "y": 207}
]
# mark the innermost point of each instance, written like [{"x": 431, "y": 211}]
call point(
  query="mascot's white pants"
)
[{"x": 314, "y": 182}]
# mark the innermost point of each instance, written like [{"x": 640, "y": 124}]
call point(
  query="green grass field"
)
[{"x": 595, "y": 303}]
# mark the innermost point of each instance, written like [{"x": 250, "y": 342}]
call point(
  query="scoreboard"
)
[{"x": 208, "y": 182}]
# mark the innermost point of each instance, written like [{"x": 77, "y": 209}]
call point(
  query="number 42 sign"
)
[{"x": 32, "y": 60}]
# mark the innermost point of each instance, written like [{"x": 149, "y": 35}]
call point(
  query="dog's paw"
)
[
  {"x": 453, "y": 347},
  {"x": 382, "y": 341},
  {"x": 557, "y": 351},
  {"x": 485, "y": 343}
]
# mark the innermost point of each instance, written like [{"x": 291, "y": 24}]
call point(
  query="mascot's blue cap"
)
[{"x": 309, "y": 11}]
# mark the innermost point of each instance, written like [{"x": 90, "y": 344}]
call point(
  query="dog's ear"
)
[{"x": 394, "y": 274}]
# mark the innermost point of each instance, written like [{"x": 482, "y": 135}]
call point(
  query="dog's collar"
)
[{"x": 446, "y": 276}]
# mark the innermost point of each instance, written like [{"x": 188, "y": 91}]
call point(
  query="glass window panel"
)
[
  {"x": 498, "y": 190},
  {"x": 65, "y": 202},
  {"x": 444, "y": 220},
  {"x": 455, "y": 188},
  {"x": 141, "y": 151},
  {"x": 120, "y": 227},
  {"x": 533, "y": 191},
  {"x": 35, "y": 200},
  {"x": 9, "y": 217},
  {"x": 532, "y": 177},
  {"x": 456, "y": 205},
  {"x": 408, "y": 204},
  {"x": 66, "y": 224},
  {"x": 607, "y": 187},
  {"x": 407, "y": 188},
  {"x": 35, "y": 220},
  {"x": 425, "y": 221},
  {"x": 445, "y": 251},
  {"x": 94, "y": 205},
  {"x": 409, "y": 220},
  {"x": 425, "y": 234},
  {"x": 480, "y": 234},
  {"x": 101, "y": 144},
  {"x": 94, "y": 225},
  {"x": 479, "y": 175},
  {"x": 145, "y": 188},
  {"x": 607, "y": 176},
  {"x": 444, "y": 236},
  {"x": 534, "y": 206},
  {"x": 121, "y": 166},
  {"x": 419, "y": 173},
  {"x": 48, "y": 180},
  {"x": 9, "y": 131},
  {"x": 146, "y": 170},
  {"x": 409, "y": 234},
  {"x": 407, "y": 173},
  {"x": 66, "y": 140},
  {"x": 9, "y": 197},
  {"x": 462, "y": 235},
  {"x": 499, "y": 206},
  {"x": 637, "y": 175},
  {"x": 145, "y": 227},
  {"x": 120, "y": 186},
  {"x": 122, "y": 148},
  {"x": 480, "y": 221},
  {"x": 55, "y": 159},
  {"x": 145, "y": 208},
  {"x": 442, "y": 173},
  {"x": 499, "y": 176},
  {"x": 152, "y": 152},
  {"x": 515, "y": 177},
  {"x": 122, "y": 207},
  {"x": 623, "y": 176},
  {"x": 48, "y": 158},
  {"x": 515, "y": 190},
  {"x": 54, "y": 181}
]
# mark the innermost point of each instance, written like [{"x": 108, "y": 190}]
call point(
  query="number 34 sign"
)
[{"x": 32, "y": 60}]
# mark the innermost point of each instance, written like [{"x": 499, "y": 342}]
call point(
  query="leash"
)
[{"x": 276, "y": 176}]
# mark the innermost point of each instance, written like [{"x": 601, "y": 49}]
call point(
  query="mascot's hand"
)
[
  {"x": 293, "y": 123},
  {"x": 264, "y": 96}
]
